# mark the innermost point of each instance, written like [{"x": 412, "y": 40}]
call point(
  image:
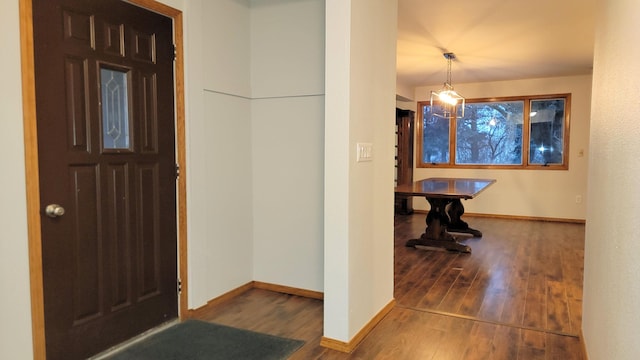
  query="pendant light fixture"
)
[{"x": 445, "y": 102}]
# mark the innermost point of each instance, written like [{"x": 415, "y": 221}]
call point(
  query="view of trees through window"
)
[
  {"x": 490, "y": 133},
  {"x": 436, "y": 134},
  {"x": 547, "y": 131},
  {"x": 493, "y": 133}
]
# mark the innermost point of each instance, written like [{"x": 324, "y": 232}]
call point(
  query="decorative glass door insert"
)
[{"x": 115, "y": 109}]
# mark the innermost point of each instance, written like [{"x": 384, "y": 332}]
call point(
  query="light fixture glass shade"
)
[{"x": 445, "y": 102}]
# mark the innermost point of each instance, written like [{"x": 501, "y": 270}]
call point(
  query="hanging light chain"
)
[{"x": 449, "y": 56}]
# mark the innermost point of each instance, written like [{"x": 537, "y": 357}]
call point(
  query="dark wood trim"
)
[
  {"x": 32, "y": 172},
  {"x": 405, "y": 126}
]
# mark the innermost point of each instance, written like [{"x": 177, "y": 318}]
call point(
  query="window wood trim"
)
[{"x": 525, "y": 135}]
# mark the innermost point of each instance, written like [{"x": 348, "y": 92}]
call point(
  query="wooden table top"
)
[{"x": 454, "y": 188}]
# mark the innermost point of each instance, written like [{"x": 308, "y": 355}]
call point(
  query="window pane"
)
[
  {"x": 490, "y": 133},
  {"x": 435, "y": 130},
  {"x": 115, "y": 109},
  {"x": 547, "y": 131}
]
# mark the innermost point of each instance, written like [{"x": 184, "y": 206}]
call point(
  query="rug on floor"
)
[{"x": 199, "y": 340}]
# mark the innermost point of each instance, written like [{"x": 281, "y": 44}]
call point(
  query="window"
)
[
  {"x": 515, "y": 132},
  {"x": 115, "y": 108}
]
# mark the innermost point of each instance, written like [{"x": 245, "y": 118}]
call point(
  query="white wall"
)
[
  {"x": 337, "y": 157},
  {"x": 287, "y": 139},
  {"x": 404, "y": 91},
  {"x": 611, "y": 316},
  {"x": 15, "y": 304},
  {"x": 372, "y": 107},
  {"x": 360, "y": 101},
  {"x": 219, "y": 179},
  {"x": 255, "y": 142},
  {"x": 529, "y": 193},
  {"x": 287, "y": 48}
]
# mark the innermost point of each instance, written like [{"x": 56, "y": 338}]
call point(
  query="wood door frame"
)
[{"x": 32, "y": 171}]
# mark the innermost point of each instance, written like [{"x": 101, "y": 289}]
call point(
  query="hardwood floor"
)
[{"x": 518, "y": 295}]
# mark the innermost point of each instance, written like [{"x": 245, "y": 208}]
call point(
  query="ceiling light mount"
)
[
  {"x": 450, "y": 56},
  {"x": 445, "y": 102}
]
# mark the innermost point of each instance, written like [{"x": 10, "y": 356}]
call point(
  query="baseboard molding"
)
[
  {"x": 229, "y": 295},
  {"x": 289, "y": 290},
  {"x": 514, "y": 217},
  {"x": 193, "y": 313},
  {"x": 348, "y": 347}
]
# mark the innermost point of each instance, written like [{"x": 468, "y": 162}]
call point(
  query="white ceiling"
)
[{"x": 493, "y": 39}]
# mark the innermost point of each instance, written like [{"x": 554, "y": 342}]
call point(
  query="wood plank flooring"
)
[{"x": 518, "y": 295}]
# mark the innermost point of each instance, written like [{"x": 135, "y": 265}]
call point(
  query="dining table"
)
[{"x": 445, "y": 196}]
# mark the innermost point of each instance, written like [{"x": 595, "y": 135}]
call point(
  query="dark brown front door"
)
[{"x": 106, "y": 145}]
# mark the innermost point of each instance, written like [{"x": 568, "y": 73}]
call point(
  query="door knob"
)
[{"x": 54, "y": 210}]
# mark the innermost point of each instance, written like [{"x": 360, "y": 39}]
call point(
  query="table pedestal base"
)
[
  {"x": 456, "y": 224},
  {"x": 440, "y": 221}
]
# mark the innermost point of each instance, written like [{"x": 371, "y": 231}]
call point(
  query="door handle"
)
[{"x": 54, "y": 210}]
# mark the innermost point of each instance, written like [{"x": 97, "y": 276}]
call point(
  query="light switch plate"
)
[{"x": 364, "y": 152}]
